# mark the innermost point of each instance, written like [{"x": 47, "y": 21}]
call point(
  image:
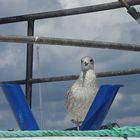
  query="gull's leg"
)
[{"x": 78, "y": 126}]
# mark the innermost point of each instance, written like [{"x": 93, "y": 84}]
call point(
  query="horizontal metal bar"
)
[
  {"x": 118, "y": 73},
  {"x": 70, "y": 42},
  {"x": 74, "y": 77},
  {"x": 22, "y": 82},
  {"x": 55, "y": 79},
  {"x": 67, "y": 12}
]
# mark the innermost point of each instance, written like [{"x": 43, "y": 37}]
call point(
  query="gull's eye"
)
[
  {"x": 91, "y": 60},
  {"x": 81, "y": 61}
]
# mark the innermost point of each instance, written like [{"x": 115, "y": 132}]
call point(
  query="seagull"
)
[{"x": 82, "y": 93}]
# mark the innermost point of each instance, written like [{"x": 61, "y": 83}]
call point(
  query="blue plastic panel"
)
[
  {"x": 100, "y": 107},
  {"x": 19, "y": 106}
]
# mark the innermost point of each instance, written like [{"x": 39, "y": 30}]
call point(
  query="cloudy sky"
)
[{"x": 111, "y": 26}]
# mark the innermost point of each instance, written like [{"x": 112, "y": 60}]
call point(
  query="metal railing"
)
[
  {"x": 67, "y": 12},
  {"x": 74, "y": 77},
  {"x": 70, "y": 42},
  {"x": 30, "y": 40}
]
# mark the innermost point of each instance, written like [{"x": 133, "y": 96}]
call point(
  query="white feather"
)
[{"x": 81, "y": 95}]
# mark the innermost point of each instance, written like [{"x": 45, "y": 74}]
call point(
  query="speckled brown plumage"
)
[{"x": 82, "y": 92}]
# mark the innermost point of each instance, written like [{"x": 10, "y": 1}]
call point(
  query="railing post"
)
[{"x": 29, "y": 63}]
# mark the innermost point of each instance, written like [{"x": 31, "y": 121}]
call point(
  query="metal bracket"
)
[{"x": 131, "y": 10}]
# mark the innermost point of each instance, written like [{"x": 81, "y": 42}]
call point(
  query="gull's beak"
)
[{"x": 85, "y": 63}]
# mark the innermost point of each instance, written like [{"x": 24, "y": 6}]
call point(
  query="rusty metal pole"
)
[
  {"x": 131, "y": 10},
  {"x": 29, "y": 63},
  {"x": 124, "y": 3}
]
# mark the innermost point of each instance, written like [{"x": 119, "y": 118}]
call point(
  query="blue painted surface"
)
[
  {"x": 19, "y": 106},
  {"x": 100, "y": 107}
]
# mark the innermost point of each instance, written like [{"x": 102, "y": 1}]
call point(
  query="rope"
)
[
  {"x": 115, "y": 132},
  {"x": 39, "y": 89}
]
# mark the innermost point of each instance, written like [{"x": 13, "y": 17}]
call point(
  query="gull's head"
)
[{"x": 87, "y": 63}]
